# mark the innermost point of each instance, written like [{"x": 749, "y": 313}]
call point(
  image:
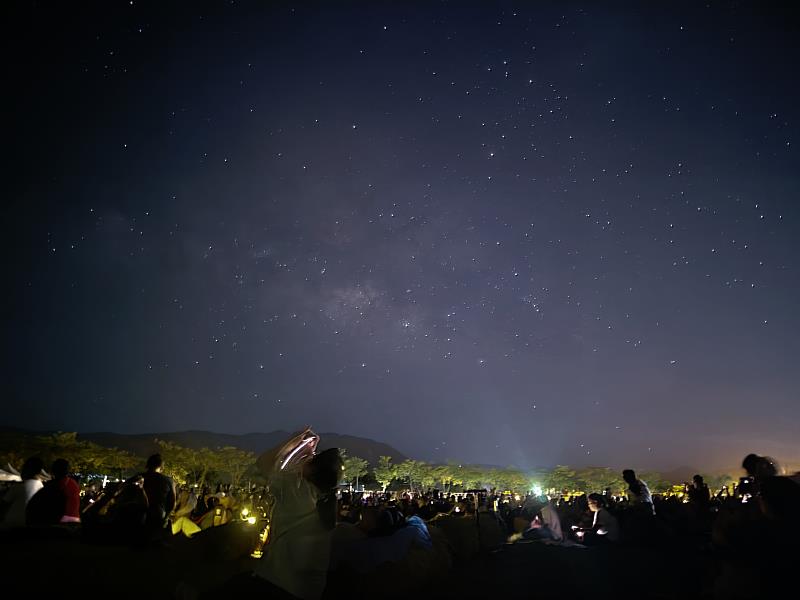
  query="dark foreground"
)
[{"x": 207, "y": 567}]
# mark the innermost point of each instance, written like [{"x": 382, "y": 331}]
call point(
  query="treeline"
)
[
  {"x": 184, "y": 465},
  {"x": 418, "y": 475},
  {"x": 233, "y": 465},
  {"x": 83, "y": 456}
]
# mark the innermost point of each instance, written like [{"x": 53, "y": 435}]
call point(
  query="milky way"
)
[{"x": 534, "y": 235}]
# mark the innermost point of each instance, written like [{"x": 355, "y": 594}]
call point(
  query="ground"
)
[{"x": 200, "y": 568}]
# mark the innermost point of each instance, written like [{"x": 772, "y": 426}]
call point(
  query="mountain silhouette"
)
[{"x": 144, "y": 444}]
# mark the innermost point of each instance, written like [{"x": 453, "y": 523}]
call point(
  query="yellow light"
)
[
  {"x": 245, "y": 512},
  {"x": 251, "y": 520}
]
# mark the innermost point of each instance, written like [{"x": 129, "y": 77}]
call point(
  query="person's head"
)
[
  {"x": 760, "y": 466},
  {"x": 324, "y": 470},
  {"x": 60, "y": 468},
  {"x": 749, "y": 463},
  {"x": 33, "y": 468},
  {"x": 368, "y": 521},
  {"x": 390, "y": 519},
  {"x": 155, "y": 462},
  {"x": 698, "y": 481},
  {"x": 629, "y": 476},
  {"x": 595, "y": 502},
  {"x": 535, "y": 507}
]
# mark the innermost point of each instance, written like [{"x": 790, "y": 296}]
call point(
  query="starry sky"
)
[{"x": 505, "y": 233}]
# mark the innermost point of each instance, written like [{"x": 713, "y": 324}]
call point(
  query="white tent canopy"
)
[{"x": 6, "y": 476}]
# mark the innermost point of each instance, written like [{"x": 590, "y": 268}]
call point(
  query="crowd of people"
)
[{"x": 316, "y": 538}]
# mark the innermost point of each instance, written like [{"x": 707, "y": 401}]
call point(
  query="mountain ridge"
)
[{"x": 143, "y": 444}]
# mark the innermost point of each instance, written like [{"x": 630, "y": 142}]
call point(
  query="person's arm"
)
[
  {"x": 600, "y": 526},
  {"x": 170, "y": 502},
  {"x": 289, "y": 454}
]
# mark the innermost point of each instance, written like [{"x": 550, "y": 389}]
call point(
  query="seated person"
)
[
  {"x": 58, "y": 501},
  {"x": 118, "y": 514},
  {"x": 202, "y": 507},
  {"x": 461, "y": 530},
  {"x": 382, "y": 536},
  {"x": 16, "y": 499},
  {"x": 546, "y": 524},
  {"x": 217, "y": 513},
  {"x": 181, "y": 516},
  {"x": 604, "y": 529}
]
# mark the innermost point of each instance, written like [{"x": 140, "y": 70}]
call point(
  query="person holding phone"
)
[{"x": 605, "y": 527}]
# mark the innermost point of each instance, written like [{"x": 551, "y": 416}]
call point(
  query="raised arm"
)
[{"x": 289, "y": 454}]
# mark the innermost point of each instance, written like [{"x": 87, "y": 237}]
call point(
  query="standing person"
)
[
  {"x": 160, "y": 491},
  {"x": 19, "y": 495},
  {"x": 758, "y": 468},
  {"x": 638, "y": 492},
  {"x": 699, "y": 495},
  {"x": 58, "y": 501},
  {"x": 304, "y": 515}
]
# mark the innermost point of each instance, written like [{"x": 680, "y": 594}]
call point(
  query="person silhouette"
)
[
  {"x": 758, "y": 468},
  {"x": 58, "y": 501},
  {"x": 304, "y": 514},
  {"x": 638, "y": 493},
  {"x": 160, "y": 491},
  {"x": 699, "y": 495},
  {"x": 19, "y": 495}
]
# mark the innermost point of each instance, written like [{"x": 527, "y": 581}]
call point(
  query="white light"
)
[{"x": 295, "y": 451}]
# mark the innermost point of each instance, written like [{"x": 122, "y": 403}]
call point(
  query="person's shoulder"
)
[{"x": 156, "y": 476}]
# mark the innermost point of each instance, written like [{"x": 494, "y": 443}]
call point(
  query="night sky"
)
[{"x": 500, "y": 233}]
